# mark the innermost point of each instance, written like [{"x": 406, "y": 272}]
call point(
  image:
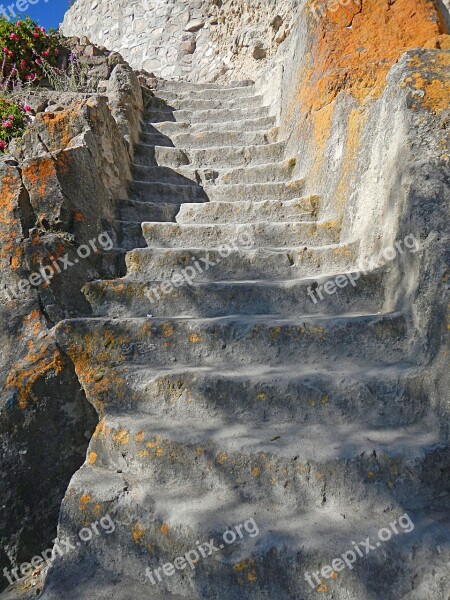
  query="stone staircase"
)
[{"x": 226, "y": 394}]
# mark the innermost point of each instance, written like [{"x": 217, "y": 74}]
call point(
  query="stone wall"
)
[{"x": 187, "y": 39}]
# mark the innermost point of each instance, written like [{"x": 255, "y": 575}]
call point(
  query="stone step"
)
[
  {"x": 209, "y": 158},
  {"x": 256, "y": 192},
  {"x": 320, "y": 395},
  {"x": 380, "y": 339},
  {"x": 206, "y": 91},
  {"x": 244, "y": 263},
  {"x": 257, "y": 552},
  {"x": 211, "y": 139},
  {"x": 261, "y": 234},
  {"x": 186, "y": 101},
  {"x": 133, "y": 210},
  {"x": 174, "y": 128},
  {"x": 273, "y": 172},
  {"x": 167, "y": 193},
  {"x": 255, "y": 460},
  {"x": 210, "y": 117},
  {"x": 187, "y": 298},
  {"x": 275, "y": 211}
]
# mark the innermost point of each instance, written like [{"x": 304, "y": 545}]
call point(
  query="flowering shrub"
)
[
  {"x": 13, "y": 121},
  {"x": 23, "y": 47}
]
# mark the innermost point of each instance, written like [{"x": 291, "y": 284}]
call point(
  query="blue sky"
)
[{"x": 48, "y": 13}]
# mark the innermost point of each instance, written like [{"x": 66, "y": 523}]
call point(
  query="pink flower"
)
[
  {"x": 14, "y": 36},
  {"x": 56, "y": 51},
  {"x": 46, "y": 53},
  {"x": 36, "y": 35},
  {"x": 27, "y": 108},
  {"x": 10, "y": 54},
  {"x": 19, "y": 23},
  {"x": 38, "y": 61},
  {"x": 3, "y": 145},
  {"x": 23, "y": 64},
  {"x": 11, "y": 117},
  {"x": 5, "y": 50},
  {"x": 7, "y": 124}
]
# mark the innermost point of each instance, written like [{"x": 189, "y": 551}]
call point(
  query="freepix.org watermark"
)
[
  {"x": 189, "y": 274},
  {"x": 203, "y": 550},
  {"x": 316, "y": 292},
  {"x": 47, "y": 273},
  {"x": 61, "y": 547},
  {"x": 332, "y": 6},
  {"x": 359, "y": 550},
  {"x": 16, "y": 9}
]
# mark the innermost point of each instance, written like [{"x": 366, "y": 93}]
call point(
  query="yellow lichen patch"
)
[
  {"x": 324, "y": 399},
  {"x": 101, "y": 430},
  {"x": 122, "y": 436},
  {"x": 334, "y": 575},
  {"x": 97, "y": 509},
  {"x": 322, "y": 587},
  {"x": 42, "y": 359},
  {"x": 92, "y": 458},
  {"x": 159, "y": 452},
  {"x": 144, "y": 453},
  {"x": 222, "y": 458},
  {"x": 84, "y": 501},
  {"x": 167, "y": 330},
  {"x": 261, "y": 396},
  {"x": 139, "y": 437},
  {"x": 138, "y": 533},
  {"x": 256, "y": 471},
  {"x": 164, "y": 529},
  {"x": 195, "y": 338}
]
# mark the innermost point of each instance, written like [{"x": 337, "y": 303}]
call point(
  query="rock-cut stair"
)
[{"x": 226, "y": 394}]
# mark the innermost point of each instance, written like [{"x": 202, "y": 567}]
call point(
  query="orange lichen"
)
[
  {"x": 59, "y": 126},
  {"x": 122, "y": 436},
  {"x": 350, "y": 50},
  {"x": 39, "y": 174},
  {"x": 433, "y": 82},
  {"x": 355, "y": 46},
  {"x": 92, "y": 457},
  {"x": 42, "y": 359},
  {"x": 84, "y": 501},
  {"x": 164, "y": 529},
  {"x": 138, "y": 533}
]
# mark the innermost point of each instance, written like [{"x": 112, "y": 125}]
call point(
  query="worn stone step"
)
[
  {"x": 272, "y": 172},
  {"x": 187, "y": 298},
  {"x": 257, "y": 552},
  {"x": 256, "y": 192},
  {"x": 186, "y": 101},
  {"x": 164, "y": 192},
  {"x": 210, "y": 158},
  {"x": 133, "y": 210},
  {"x": 380, "y": 339},
  {"x": 249, "y": 212},
  {"x": 261, "y": 234},
  {"x": 174, "y": 128},
  {"x": 209, "y": 139},
  {"x": 259, "y": 458},
  {"x": 244, "y": 262},
  {"x": 210, "y": 117},
  {"x": 206, "y": 91},
  {"x": 321, "y": 395}
]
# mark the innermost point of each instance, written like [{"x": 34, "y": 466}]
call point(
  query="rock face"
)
[
  {"x": 271, "y": 374},
  {"x": 59, "y": 195}
]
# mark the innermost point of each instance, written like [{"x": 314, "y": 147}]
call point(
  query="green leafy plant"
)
[
  {"x": 24, "y": 45},
  {"x": 13, "y": 121}
]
